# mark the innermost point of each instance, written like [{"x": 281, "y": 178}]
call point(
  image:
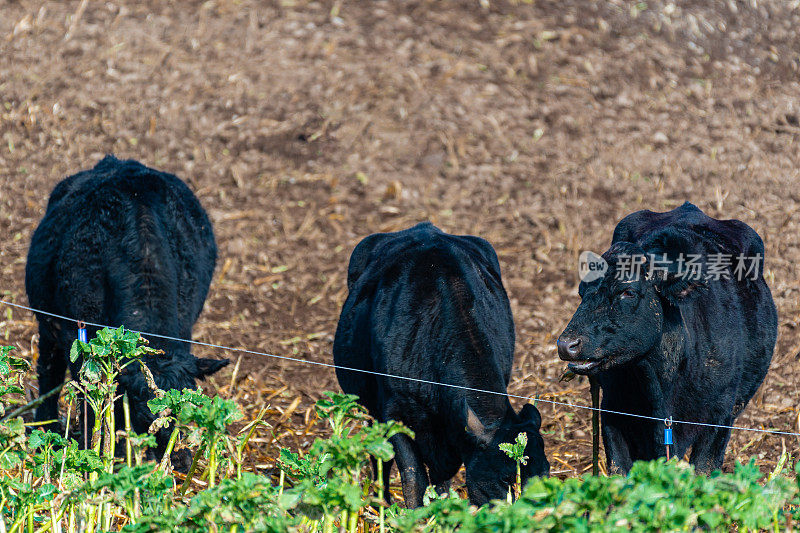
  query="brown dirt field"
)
[{"x": 305, "y": 126}]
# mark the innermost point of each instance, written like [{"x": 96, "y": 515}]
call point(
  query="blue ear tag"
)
[
  {"x": 668, "y": 436},
  {"x": 81, "y": 332}
]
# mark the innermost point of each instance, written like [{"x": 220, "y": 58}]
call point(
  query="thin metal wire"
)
[{"x": 406, "y": 378}]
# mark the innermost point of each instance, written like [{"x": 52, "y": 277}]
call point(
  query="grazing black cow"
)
[
  {"x": 690, "y": 342},
  {"x": 428, "y": 305},
  {"x": 122, "y": 244}
]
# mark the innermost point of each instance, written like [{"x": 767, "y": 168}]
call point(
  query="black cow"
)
[
  {"x": 428, "y": 305},
  {"x": 689, "y": 342},
  {"x": 122, "y": 244}
]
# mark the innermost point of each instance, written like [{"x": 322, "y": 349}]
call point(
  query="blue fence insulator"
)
[
  {"x": 82, "y": 334},
  {"x": 668, "y": 436}
]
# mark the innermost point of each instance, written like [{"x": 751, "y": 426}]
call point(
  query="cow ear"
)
[
  {"x": 486, "y": 252},
  {"x": 530, "y": 414},
  {"x": 679, "y": 290},
  {"x": 362, "y": 255},
  {"x": 476, "y": 428},
  {"x": 206, "y": 367},
  {"x": 671, "y": 283}
]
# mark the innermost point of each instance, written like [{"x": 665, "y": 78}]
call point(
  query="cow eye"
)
[{"x": 627, "y": 293}]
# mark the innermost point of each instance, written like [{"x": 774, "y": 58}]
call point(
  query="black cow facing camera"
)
[
  {"x": 122, "y": 244},
  {"x": 431, "y": 306},
  {"x": 681, "y": 324}
]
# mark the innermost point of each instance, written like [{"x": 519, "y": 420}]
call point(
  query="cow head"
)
[
  {"x": 183, "y": 373},
  {"x": 205, "y": 367},
  {"x": 621, "y": 315},
  {"x": 176, "y": 369},
  {"x": 490, "y": 472}
]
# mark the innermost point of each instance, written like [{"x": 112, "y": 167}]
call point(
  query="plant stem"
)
[
  {"x": 53, "y": 523},
  {"x": 173, "y": 438},
  {"x": 381, "y": 493},
  {"x": 212, "y": 461},
  {"x": 100, "y": 514},
  {"x": 110, "y": 431},
  {"x": 108, "y": 509},
  {"x": 353, "y": 521},
  {"x": 97, "y": 432},
  {"x": 66, "y": 436},
  {"x": 595, "y": 391},
  {"x": 190, "y": 473},
  {"x": 89, "y": 518},
  {"x": 69, "y": 415},
  {"x": 53, "y": 515},
  {"x": 126, "y": 411},
  {"x": 137, "y": 505},
  {"x": 17, "y": 523},
  {"x": 2, "y": 519}
]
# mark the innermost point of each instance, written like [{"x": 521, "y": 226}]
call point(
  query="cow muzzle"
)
[{"x": 570, "y": 349}]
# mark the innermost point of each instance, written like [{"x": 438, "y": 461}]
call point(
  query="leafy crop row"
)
[{"x": 48, "y": 482}]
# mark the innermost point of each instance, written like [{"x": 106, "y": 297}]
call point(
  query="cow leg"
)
[
  {"x": 413, "y": 475},
  {"x": 708, "y": 451},
  {"x": 618, "y": 455},
  {"x": 442, "y": 472},
  {"x": 678, "y": 448},
  {"x": 51, "y": 369}
]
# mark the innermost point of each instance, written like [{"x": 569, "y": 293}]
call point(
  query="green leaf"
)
[{"x": 74, "y": 351}]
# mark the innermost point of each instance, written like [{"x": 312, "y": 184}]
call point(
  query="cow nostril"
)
[
  {"x": 574, "y": 347},
  {"x": 569, "y": 348}
]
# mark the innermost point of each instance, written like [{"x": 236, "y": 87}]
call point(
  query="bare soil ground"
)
[{"x": 305, "y": 126}]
